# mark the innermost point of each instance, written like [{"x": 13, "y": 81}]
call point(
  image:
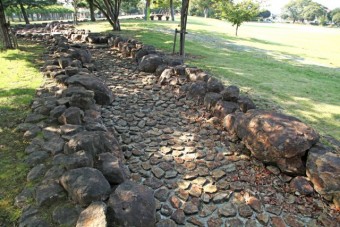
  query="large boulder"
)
[
  {"x": 80, "y": 97},
  {"x": 93, "y": 215},
  {"x": 231, "y": 93},
  {"x": 80, "y": 54},
  {"x": 94, "y": 142},
  {"x": 211, "y": 99},
  {"x": 323, "y": 170},
  {"x": 102, "y": 94},
  {"x": 132, "y": 205},
  {"x": 111, "y": 167},
  {"x": 223, "y": 108},
  {"x": 197, "y": 91},
  {"x": 72, "y": 115},
  {"x": 85, "y": 185},
  {"x": 274, "y": 138},
  {"x": 214, "y": 85},
  {"x": 150, "y": 62}
]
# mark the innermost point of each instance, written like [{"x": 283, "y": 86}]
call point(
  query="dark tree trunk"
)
[
  {"x": 236, "y": 29},
  {"x": 184, "y": 17},
  {"x": 4, "y": 32},
  {"x": 91, "y": 6},
  {"x": 147, "y": 10},
  {"x": 23, "y": 10}
]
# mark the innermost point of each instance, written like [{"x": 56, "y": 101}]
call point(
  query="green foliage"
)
[
  {"x": 313, "y": 11},
  {"x": 336, "y": 18},
  {"x": 240, "y": 12},
  {"x": 300, "y": 10},
  {"x": 264, "y": 14}
]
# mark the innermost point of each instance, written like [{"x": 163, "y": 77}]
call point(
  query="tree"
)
[
  {"x": 294, "y": 9},
  {"x": 237, "y": 13},
  {"x": 91, "y": 8},
  {"x": 336, "y": 18},
  {"x": 313, "y": 11},
  {"x": 264, "y": 14},
  {"x": 4, "y": 33},
  {"x": 110, "y": 9}
]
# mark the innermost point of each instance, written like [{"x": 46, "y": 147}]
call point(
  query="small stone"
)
[
  {"x": 162, "y": 194},
  {"x": 263, "y": 218},
  {"x": 252, "y": 223},
  {"x": 153, "y": 183},
  {"x": 207, "y": 210},
  {"x": 93, "y": 215},
  {"x": 293, "y": 220},
  {"x": 183, "y": 194},
  {"x": 66, "y": 215},
  {"x": 215, "y": 222},
  {"x": 166, "y": 150},
  {"x": 200, "y": 181},
  {"x": 205, "y": 198},
  {"x": 195, "y": 190},
  {"x": 193, "y": 220},
  {"x": 166, "y": 210},
  {"x": 36, "y": 172},
  {"x": 273, "y": 169},
  {"x": 301, "y": 185},
  {"x": 230, "y": 168},
  {"x": 190, "y": 208},
  {"x": 255, "y": 204},
  {"x": 178, "y": 216},
  {"x": 158, "y": 172},
  {"x": 277, "y": 222},
  {"x": 274, "y": 209},
  {"x": 183, "y": 184},
  {"x": 170, "y": 174},
  {"x": 218, "y": 174},
  {"x": 222, "y": 197},
  {"x": 166, "y": 223},
  {"x": 210, "y": 188},
  {"x": 245, "y": 211},
  {"x": 227, "y": 210},
  {"x": 175, "y": 202},
  {"x": 48, "y": 193},
  {"x": 233, "y": 222}
]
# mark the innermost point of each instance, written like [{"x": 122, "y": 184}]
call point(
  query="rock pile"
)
[{"x": 139, "y": 156}]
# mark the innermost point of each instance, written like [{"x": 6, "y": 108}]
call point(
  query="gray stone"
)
[
  {"x": 245, "y": 211},
  {"x": 190, "y": 208},
  {"x": 94, "y": 142},
  {"x": 214, "y": 85},
  {"x": 72, "y": 115},
  {"x": 80, "y": 54},
  {"x": 149, "y": 63},
  {"x": 66, "y": 215},
  {"x": 73, "y": 161},
  {"x": 166, "y": 223},
  {"x": 178, "y": 216},
  {"x": 301, "y": 185},
  {"x": 245, "y": 104},
  {"x": 233, "y": 222},
  {"x": 85, "y": 185},
  {"x": 36, "y": 172},
  {"x": 70, "y": 71},
  {"x": 64, "y": 62},
  {"x": 48, "y": 193},
  {"x": 211, "y": 99},
  {"x": 24, "y": 197},
  {"x": 111, "y": 167},
  {"x": 57, "y": 111},
  {"x": 230, "y": 93},
  {"x": 102, "y": 94},
  {"x": 132, "y": 204},
  {"x": 223, "y": 108},
  {"x": 36, "y": 157},
  {"x": 34, "y": 118},
  {"x": 93, "y": 215},
  {"x": 227, "y": 210},
  {"x": 70, "y": 130},
  {"x": 55, "y": 145},
  {"x": 197, "y": 91}
]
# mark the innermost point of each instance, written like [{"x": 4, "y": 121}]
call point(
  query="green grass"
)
[
  {"x": 19, "y": 77},
  {"x": 290, "y": 68}
]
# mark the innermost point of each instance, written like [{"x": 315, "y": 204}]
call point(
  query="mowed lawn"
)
[
  {"x": 290, "y": 68},
  {"x": 19, "y": 77}
]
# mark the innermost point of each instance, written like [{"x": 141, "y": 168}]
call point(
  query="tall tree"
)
[
  {"x": 91, "y": 8},
  {"x": 4, "y": 33},
  {"x": 237, "y": 13},
  {"x": 110, "y": 9},
  {"x": 294, "y": 9},
  {"x": 313, "y": 11}
]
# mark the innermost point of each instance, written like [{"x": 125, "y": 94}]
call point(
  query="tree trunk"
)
[
  {"x": 172, "y": 10},
  {"x": 236, "y": 29},
  {"x": 23, "y": 10},
  {"x": 91, "y": 6},
  {"x": 206, "y": 12},
  {"x": 32, "y": 17},
  {"x": 184, "y": 17},
  {"x": 75, "y": 14},
  {"x": 147, "y": 10},
  {"x": 4, "y": 33}
]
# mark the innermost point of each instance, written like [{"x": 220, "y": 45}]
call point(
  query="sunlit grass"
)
[
  {"x": 290, "y": 68},
  {"x": 19, "y": 77}
]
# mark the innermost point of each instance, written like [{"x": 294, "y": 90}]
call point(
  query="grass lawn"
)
[
  {"x": 291, "y": 68},
  {"x": 19, "y": 77}
]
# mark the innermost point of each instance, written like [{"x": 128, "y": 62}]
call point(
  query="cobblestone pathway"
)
[{"x": 199, "y": 178}]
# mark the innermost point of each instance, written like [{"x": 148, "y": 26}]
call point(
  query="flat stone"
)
[
  {"x": 195, "y": 190},
  {"x": 222, "y": 197},
  {"x": 195, "y": 221},
  {"x": 227, "y": 210},
  {"x": 183, "y": 184},
  {"x": 36, "y": 157},
  {"x": 277, "y": 222},
  {"x": 234, "y": 222},
  {"x": 153, "y": 183},
  {"x": 274, "y": 209},
  {"x": 166, "y": 150},
  {"x": 214, "y": 222},
  {"x": 210, "y": 188},
  {"x": 162, "y": 194},
  {"x": 263, "y": 218},
  {"x": 301, "y": 185},
  {"x": 170, "y": 174},
  {"x": 230, "y": 168},
  {"x": 207, "y": 210},
  {"x": 218, "y": 174},
  {"x": 175, "y": 202},
  {"x": 245, "y": 211},
  {"x": 24, "y": 197},
  {"x": 48, "y": 193},
  {"x": 293, "y": 220},
  {"x": 273, "y": 169},
  {"x": 178, "y": 216},
  {"x": 200, "y": 181},
  {"x": 255, "y": 204},
  {"x": 66, "y": 215},
  {"x": 36, "y": 172},
  {"x": 166, "y": 223},
  {"x": 158, "y": 172},
  {"x": 190, "y": 208},
  {"x": 93, "y": 215}
]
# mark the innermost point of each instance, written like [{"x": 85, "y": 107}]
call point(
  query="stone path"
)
[{"x": 199, "y": 178}]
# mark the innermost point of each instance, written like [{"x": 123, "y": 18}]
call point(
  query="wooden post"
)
[
  {"x": 175, "y": 38},
  {"x": 184, "y": 17}
]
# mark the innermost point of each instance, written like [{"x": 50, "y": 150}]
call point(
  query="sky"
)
[{"x": 275, "y": 6}]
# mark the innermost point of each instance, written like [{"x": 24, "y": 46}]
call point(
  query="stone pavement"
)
[{"x": 199, "y": 177}]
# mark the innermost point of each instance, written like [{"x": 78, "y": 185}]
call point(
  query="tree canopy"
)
[{"x": 300, "y": 10}]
